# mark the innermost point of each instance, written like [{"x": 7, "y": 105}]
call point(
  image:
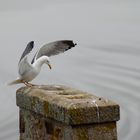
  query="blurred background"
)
[{"x": 105, "y": 62}]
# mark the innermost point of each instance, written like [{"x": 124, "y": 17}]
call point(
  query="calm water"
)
[{"x": 105, "y": 61}]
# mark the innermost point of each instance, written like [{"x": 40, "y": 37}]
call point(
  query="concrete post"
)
[{"x": 62, "y": 113}]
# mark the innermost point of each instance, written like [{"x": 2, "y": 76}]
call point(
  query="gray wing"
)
[
  {"x": 23, "y": 65},
  {"x": 54, "y": 48},
  {"x": 27, "y": 50}
]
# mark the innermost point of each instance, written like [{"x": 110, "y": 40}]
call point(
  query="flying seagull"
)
[{"x": 29, "y": 70}]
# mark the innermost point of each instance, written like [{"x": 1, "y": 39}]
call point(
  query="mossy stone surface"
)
[{"x": 67, "y": 105}]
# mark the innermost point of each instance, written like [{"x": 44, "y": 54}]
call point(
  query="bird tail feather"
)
[{"x": 17, "y": 81}]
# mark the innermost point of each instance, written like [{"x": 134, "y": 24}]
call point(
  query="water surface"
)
[{"x": 105, "y": 62}]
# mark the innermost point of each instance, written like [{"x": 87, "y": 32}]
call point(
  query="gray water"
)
[{"x": 105, "y": 62}]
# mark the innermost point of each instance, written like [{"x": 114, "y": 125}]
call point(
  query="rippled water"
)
[{"x": 105, "y": 61}]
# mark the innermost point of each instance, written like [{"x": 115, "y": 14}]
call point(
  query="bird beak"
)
[{"x": 50, "y": 66}]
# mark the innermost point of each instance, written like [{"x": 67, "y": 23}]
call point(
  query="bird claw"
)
[{"x": 28, "y": 84}]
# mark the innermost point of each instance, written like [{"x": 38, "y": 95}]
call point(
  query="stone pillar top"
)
[{"x": 67, "y": 105}]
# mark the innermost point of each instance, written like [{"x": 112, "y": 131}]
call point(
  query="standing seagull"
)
[{"x": 28, "y": 71}]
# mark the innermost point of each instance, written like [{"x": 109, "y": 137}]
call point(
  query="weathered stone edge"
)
[{"x": 69, "y": 116}]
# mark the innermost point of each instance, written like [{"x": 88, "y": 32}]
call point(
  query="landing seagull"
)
[{"x": 28, "y": 71}]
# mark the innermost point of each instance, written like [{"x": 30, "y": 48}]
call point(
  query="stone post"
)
[{"x": 61, "y": 113}]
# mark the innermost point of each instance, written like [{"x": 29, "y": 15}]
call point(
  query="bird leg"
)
[{"x": 28, "y": 84}]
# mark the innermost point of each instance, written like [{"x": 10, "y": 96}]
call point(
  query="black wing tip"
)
[
  {"x": 69, "y": 43},
  {"x": 31, "y": 43}
]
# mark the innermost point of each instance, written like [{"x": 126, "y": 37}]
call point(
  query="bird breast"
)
[{"x": 30, "y": 75}]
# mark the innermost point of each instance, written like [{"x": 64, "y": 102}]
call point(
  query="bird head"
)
[{"x": 47, "y": 61}]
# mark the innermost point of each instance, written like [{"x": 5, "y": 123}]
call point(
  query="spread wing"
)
[
  {"x": 27, "y": 50},
  {"x": 54, "y": 48},
  {"x": 23, "y": 63}
]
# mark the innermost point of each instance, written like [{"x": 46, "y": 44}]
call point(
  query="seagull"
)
[{"x": 29, "y": 70}]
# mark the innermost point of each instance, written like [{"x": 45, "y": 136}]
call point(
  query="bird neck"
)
[{"x": 39, "y": 62}]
